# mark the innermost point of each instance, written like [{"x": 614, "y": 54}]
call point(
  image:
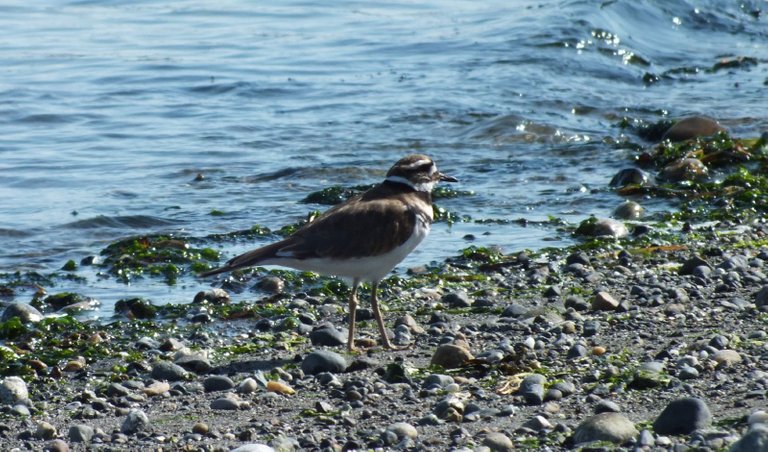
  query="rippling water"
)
[{"x": 109, "y": 109}]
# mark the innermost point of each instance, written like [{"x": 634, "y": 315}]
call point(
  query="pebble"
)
[
  {"x": 13, "y": 390},
  {"x": 408, "y": 321},
  {"x": 628, "y": 210},
  {"x": 26, "y": 313},
  {"x": 726, "y": 358},
  {"x": 607, "y": 406},
  {"x": 532, "y": 389},
  {"x": 196, "y": 361},
  {"x": 57, "y": 445},
  {"x": 157, "y": 388},
  {"x": 213, "y": 296},
  {"x": 327, "y": 335},
  {"x": 164, "y": 370},
  {"x": 683, "y": 416},
  {"x": 754, "y": 440},
  {"x": 496, "y": 441},
  {"x": 247, "y": 386},
  {"x": 45, "y": 430},
  {"x": 692, "y": 127},
  {"x": 458, "y": 299},
  {"x": 761, "y": 299},
  {"x": 135, "y": 422},
  {"x": 323, "y": 361},
  {"x": 628, "y": 176},
  {"x": 228, "y": 402},
  {"x": 218, "y": 383},
  {"x": 403, "y": 430},
  {"x": 450, "y": 356},
  {"x": 80, "y": 433},
  {"x": 603, "y": 301},
  {"x": 611, "y": 427}
]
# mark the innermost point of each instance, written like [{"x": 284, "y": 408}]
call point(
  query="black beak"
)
[{"x": 447, "y": 178}]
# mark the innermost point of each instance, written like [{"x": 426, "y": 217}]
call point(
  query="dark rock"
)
[
  {"x": 683, "y": 416},
  {"x": 629, "y": 176},
  {"x": 755, "y": 440},
  {"x": 532, "y": 389},
  {"x": 692, "y": 127},
  {"x": 458, "y": 299},
  {"x": 628, "y": 210},
  {"x": 26, "y": 313},
  {"x": 136, "y": 308},
  {"x": 213, "y": 296},
  {"x": 165, "y": 370},
  {"x": 218, "y": 383},
  {"x": 323, "y": 361},
  {"x": 327, "y": 335}
]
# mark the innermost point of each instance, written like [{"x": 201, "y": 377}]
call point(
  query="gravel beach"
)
[{"x": 644, "y": 344}]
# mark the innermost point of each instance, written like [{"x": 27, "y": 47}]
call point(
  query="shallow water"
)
[{"x": 109, "y": 109}]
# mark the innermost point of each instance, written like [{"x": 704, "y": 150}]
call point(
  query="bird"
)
[{"x": 361, "y": 239}]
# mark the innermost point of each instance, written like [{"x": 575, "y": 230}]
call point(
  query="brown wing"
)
[{"x": 361, "y": 226}]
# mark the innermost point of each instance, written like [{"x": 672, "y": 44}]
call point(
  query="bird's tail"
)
[{"x": 248, "y": 259}]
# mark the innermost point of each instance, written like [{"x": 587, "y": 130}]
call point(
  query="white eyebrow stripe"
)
[{"x": 418, "y": 163}]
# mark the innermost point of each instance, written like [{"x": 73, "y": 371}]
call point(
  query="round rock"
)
[
  {"x": 458, "y": 299},
  {"x": 692, "y": 127},
  {"x": 450, "y": 356},
  {"x": 532, "y": 389},
  {"x": 756, "y": 439},
  {"x": 13, "y": 390},
  {"x": 136, "y": 421},
  {"x": 682, "y": 417},
  {"x": 80, "y": 433},
  {"x": 327, "y": 335},
  {"x": 323, "y": 361},
  {"x": 628, "y": 210},
  {"x": 403, "y": 430},
  {"x": 26, "y": 313},
  {"x": 218, "y": 383},
  {"x": 611, "y": 427},
  {"x": 498, "y": 442},
  {"x": 165, "y": 370}
]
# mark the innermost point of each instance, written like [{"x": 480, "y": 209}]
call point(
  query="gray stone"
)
[
  {"x": 532, "y": 389},
  {"x": 611, "y": 427},
  {"x": 80, "y": 433},
  {"x": 195, "y": 361},
  {"x": 687, "y": 372},
  {"x": 607, "y": 406},
  {"x": 136, "y": 421},
  {"x": 726, "y": 358},
  {"x": 408, "y": 321},
  {"x": 228, "y": 402},
  {"x": 165, "y": 370},
  {"x": 218, "y": 383},
  {"x": 403, "y": 430},
  {"x": 761, "y": 299},
  {"x": 496, "y": 441},
  {"x": 248, "y": 386},
  {"x": 13, "y": 390},
  {"x": 57, "y": 445},
  {"x": 450, "y": 356},
  {"x": 437, "y": 381},
  {"x": 628, "y": 210},
  {"x": 327, "y": 335},
  {"x": 755, "y": 440},
  {"x": 458, "y": 299},
  {"x": 692, "y": 264},
  {"x": 682, "y": 417},
  {"x": 26, "y": 313},
  {"x": 628, "y": 176},
  {"x": 323, "y": 361},
  {"x": 45, "y": 430}
]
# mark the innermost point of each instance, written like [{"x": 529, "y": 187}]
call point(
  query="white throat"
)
[{"x": 425, "y": 187}]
